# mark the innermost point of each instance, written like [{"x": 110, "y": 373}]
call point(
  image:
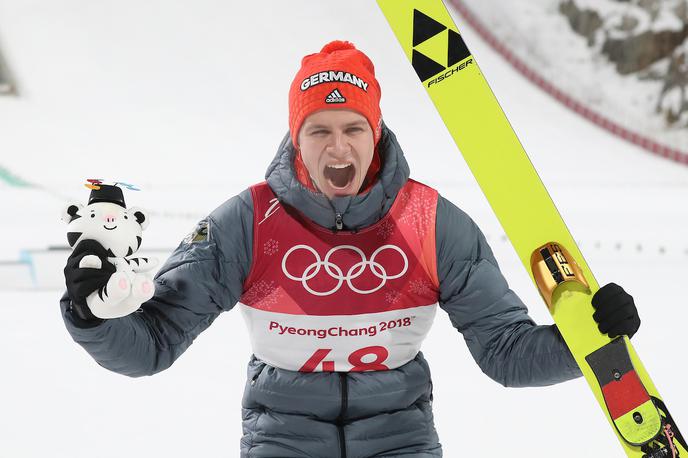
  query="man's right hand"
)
[{"x": 82, "y": 281}]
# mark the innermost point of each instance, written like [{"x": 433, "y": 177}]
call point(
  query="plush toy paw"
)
[
  {"x": 105, "y": 301},
  {"x": 90, "y": 261},
  {"x": 119, "y": 287},
  {"x": 142, "y": 288}
]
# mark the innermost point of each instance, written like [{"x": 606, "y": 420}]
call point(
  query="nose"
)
[
  {"x": 110, "y": 218},
  {"x": 340, "y": 145}
]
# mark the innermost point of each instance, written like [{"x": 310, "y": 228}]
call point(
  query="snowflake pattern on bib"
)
[
  {"x": 420, "y": 287},
  {"x": 386, "y": 229},
  {"x": 421, "y": 210},
  {"x": 271, "y": 247},
  {"x": 265, "y": 293}
]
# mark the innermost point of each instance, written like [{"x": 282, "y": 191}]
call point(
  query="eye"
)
[
  {"x": 93, "y": 215},
  {"x": 125, "y": 217}
]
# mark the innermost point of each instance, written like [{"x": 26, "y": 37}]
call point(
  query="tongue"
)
[{"x": 339, "y": 177}]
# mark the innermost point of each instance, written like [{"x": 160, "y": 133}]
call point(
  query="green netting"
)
[{"x": 7, "y": 177}]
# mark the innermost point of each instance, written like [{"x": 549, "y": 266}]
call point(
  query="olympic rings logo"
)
[{"x": 336, "y": 272}]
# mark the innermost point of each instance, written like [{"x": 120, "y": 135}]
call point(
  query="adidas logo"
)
[{"x": 335, "y": 97}]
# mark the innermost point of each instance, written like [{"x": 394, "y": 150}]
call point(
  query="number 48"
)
[{"x": 355, "y": 359}]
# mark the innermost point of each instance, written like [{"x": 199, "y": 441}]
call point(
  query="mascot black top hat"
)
[{"x": 107, "y": 193}]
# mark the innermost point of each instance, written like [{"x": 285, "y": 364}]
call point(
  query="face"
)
[
  {"x": 116, "y": 228},
  {"x": 337, "y": 148}
]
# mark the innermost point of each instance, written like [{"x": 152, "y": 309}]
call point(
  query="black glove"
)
[
  {"x": 615, "y": 311},
  {"x": 81, "y": 282}
]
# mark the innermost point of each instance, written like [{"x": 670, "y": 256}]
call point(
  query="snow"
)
[
  {"x": 541, "y": 36},
  {"x": 659, "y": 16},
  {"x": 189, "y": 103}
]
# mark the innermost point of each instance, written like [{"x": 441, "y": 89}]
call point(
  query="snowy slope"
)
[
  {"x": 189, "y": 102},
  {"x": 540, "y": 35}
]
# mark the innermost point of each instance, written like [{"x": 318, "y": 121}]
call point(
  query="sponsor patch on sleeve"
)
[{"x": 200, "y": 233}]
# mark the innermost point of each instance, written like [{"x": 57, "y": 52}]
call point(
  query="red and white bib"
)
[{"x": 317, "y": 300}]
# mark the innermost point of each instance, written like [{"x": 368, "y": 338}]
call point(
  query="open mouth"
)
[
  {"x": 110, "y": 228},
  {"x": 339, "y": 175}
]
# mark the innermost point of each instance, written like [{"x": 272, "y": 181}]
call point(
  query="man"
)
[{"x": 338, "y": 261}]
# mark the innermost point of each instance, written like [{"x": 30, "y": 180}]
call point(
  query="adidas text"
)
[{"x": 335, "y": 97}]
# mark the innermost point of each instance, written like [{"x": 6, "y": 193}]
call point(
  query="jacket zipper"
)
[
  {"x": 338, "y": 221},
  {"x": 340, "y": 418}
]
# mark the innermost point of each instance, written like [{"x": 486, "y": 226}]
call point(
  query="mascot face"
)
[{"x": 117, "y": 228}]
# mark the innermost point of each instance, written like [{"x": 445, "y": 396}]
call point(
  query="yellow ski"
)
[{"x": 452, "y": 78}]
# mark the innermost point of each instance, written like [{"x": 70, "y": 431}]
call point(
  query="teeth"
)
[{"x": 339, "y": 166}]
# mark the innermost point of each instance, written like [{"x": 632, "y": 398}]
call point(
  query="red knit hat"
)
[{"x": 339, "y": 76}]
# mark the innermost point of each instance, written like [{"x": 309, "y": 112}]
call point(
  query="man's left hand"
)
[{"x": 615, "y": 311}]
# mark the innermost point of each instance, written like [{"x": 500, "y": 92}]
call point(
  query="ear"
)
[
  {"x": 69, "y": 213},
  {"x": 141, "y": 216}
]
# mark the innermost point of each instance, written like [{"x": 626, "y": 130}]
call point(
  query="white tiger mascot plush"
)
[{"x": 107, "y": 220}]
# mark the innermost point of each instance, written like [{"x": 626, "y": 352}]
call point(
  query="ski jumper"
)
[{"x": 336, "y": 292}]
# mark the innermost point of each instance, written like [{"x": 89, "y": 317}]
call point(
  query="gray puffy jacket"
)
[{"x": 327, "y": 414}]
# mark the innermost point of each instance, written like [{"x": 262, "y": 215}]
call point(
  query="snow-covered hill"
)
[{"x": 624, "y": 60}]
